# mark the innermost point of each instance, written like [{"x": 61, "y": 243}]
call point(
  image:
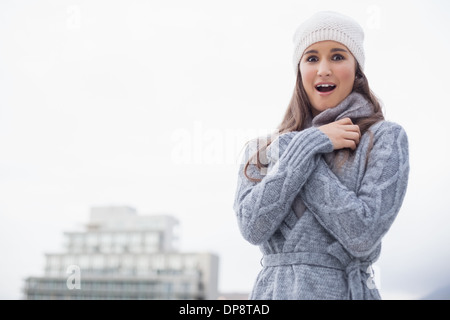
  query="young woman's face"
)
[{"x": 328, "y": 72}]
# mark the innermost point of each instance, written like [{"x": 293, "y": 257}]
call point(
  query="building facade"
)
[{"x": 123, "y": 255}]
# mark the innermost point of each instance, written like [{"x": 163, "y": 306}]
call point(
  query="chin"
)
[{"x": 323, "y": 108}]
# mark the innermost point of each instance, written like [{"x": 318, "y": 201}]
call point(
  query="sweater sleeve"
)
[
  {"x": 360, "y": 219},
  {"x": 260, "y": 207}
]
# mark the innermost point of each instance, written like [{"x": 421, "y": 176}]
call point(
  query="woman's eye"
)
[
  {"x": 312, "y": 59},
  {"x": 337, "y": 57}
]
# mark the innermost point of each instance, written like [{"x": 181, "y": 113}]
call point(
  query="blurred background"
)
[{"x": 148, "y": 104}]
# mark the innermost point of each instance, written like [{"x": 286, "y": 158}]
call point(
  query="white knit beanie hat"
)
[{"x": 329, "y": 25}]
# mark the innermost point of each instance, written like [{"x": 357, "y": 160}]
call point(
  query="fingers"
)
[
  {"x": 349, "y": 126},
  {"x": 342, "y": 133},
  {"x": 350, "y": 144},
  {"x": 352, "y": 135}
]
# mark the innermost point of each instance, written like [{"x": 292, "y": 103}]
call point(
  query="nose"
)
[{"x": 324, "y": 69}]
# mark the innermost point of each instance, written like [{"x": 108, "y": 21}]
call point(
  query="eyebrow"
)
[{"x": 332, "y": 50}]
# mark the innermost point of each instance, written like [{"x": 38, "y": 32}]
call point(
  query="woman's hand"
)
[{"x": 342, "y": 133}]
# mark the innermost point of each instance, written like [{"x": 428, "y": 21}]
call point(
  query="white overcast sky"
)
[{"x": 148, "y": 104}]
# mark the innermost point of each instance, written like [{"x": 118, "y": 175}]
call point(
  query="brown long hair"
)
[{"x": 299, "y": 112}]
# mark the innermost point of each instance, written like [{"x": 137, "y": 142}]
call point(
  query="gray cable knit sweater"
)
[{"x": 318, "y": 226}]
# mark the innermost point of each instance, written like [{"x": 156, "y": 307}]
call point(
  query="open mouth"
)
[{"x": 325, "y": 87}]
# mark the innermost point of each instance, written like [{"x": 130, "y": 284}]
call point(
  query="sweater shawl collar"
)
[{"x": 354, "y": 106}]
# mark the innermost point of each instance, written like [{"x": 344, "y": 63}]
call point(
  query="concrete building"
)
[{"x": 123, "y": 255}]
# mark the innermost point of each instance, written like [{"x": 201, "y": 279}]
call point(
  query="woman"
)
[{"x": 319, "y": 196}]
